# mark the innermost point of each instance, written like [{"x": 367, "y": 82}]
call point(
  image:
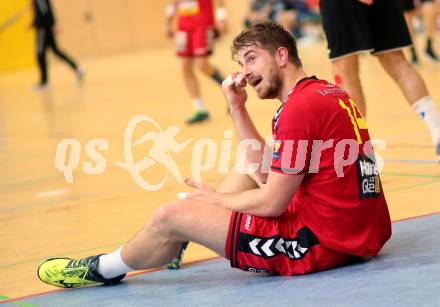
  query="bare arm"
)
[
  {"x": 269, "y": 201},
  {"x": 170, "y": 13},
  {"x": 220, "y": 16},
  {"x": 237, "y": 96}
]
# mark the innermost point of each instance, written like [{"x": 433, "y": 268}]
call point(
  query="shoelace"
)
[
  {"x": 78, "y": 268},
  {"x": 79, "y": 272}
]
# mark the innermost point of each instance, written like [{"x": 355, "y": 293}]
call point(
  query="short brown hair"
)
[{"x": 269, "y": 36}]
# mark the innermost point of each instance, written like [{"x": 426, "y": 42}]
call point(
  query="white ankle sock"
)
[
  {"x": 426, "y": 110},
  {"x": 198, "y": 104},
  {"x": 112, "y": 265}
]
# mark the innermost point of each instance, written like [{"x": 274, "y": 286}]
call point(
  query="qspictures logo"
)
[{"x": 206, "y": 154}]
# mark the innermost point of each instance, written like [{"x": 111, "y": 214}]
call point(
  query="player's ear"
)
[{"x": 282, "y": 56}]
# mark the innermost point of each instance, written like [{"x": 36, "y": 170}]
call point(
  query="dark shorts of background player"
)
[
  {"x": 409, "y": 5},
  {"x": 279, "y": 246},
  {"x": 353, "y": 27}
]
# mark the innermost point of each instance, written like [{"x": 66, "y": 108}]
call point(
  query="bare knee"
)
[
  {"x": 163, "y": 219},
  {"x": 346, "y": 69}
]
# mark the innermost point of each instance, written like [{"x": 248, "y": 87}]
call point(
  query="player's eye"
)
[{"x": 251, "y": 59}]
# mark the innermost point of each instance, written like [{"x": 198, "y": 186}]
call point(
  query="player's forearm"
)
[
  {"x": 170, "y": 11},
  {"x": 249, "y": 136},
  {"x": 256, "y": 202},
  {"x": 221, "y": 16},
  {"x": 219, "y": 4}
]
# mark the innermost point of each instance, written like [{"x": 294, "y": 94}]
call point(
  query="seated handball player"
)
[{"x": 319, "y": 206}]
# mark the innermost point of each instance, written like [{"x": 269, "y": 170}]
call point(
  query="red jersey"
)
[
  {"x": 193, "y": 13},
  {"x": 341, "y": 202}
]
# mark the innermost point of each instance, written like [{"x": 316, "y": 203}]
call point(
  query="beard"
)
[{"x": 273, "y": 85}]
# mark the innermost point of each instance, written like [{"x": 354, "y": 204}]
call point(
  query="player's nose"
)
[{"x": 246, "y": 72}]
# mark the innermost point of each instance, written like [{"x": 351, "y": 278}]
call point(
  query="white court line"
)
[{"x": 51, "y": 193}]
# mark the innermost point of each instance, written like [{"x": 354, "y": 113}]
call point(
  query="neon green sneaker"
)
[
  {"x": 70, "y": 273},
  {"x": 177, "y": 262},
  {"x": 197, "y": 117}
]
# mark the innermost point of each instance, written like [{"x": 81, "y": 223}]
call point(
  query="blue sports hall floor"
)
[{"x": 407, "y": 273}]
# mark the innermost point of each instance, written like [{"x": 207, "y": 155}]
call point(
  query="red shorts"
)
[
  {"x": 280, "y": 246},
  {"x": 196, "y": 41}
]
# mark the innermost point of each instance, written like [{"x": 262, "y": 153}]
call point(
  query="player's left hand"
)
[{"x": 204, "y": 192}]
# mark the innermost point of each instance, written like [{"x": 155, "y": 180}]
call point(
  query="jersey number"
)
[{"x": 357, "y": 122}]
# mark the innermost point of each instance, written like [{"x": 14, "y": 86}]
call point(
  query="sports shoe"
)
[
  {"x": 430, "y": 54},
  {"x": 197, "y": 117},
  {"x": 79, "y": 75},
  {"x": 177, "y": 262},
  {"x": 40, "y": 87},
  {"x": 70, "y": 273},
  {"x": 414, "y": 57}
]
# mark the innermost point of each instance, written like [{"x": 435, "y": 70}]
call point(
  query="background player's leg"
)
[
  {"x": 429, "y": 22},
  {"x": 346, "y": 74},
  {"x": 192, "y": 85},
  {"x": 414, "y": 89},
  {"x": 409, "y": 15},
  {"x": 406, "y": 77},
  {"x": 58, "y": 52},
  {"x": 203, "y": 64},
  {"x": 63, "y": 56},
  {"x": 41, "y": 57}
]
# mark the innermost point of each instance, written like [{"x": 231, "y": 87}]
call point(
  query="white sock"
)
[
  {"x": 112, "y": 265},
  {"x": 198, "y": 104},
  {"x": 426, "y": 110}
]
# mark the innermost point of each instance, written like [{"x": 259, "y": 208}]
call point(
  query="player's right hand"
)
[{"x": 234, "y": 88}]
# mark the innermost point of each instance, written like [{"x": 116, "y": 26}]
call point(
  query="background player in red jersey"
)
[
  {"x": 318, "y": 207},
  {"x": 196, "y": 29}
]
